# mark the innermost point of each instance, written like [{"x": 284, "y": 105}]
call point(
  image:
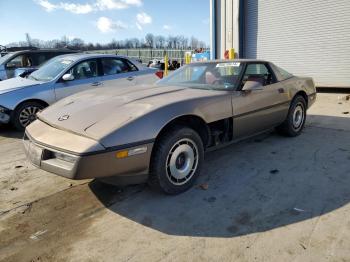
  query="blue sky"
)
[{"x": 102, "y": 20}]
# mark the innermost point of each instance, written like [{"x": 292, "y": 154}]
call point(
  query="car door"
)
[
  {"x": 117, "y": 72},
  {"x": 16, "y": 62},
  {"x": 85, "y": 76},
  {"x": 260, "y": 109}
]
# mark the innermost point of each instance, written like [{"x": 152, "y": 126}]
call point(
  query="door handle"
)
[
  {"x": 130, "y": 78},
  {"x": 96, "y": 83},
  {"x": 281, "y": 90}
]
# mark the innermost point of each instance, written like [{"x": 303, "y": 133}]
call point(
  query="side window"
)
[
  {"x": 41, "y": 58},
  {"x": 285, "y": 75},
  {"x": 259, "y": 73},
  {"x": 18, "y": 61},
  {"x": 84, "y": 70},
  {"x": 50, "y": 55},
  {"x": 36, "y": 59},
  {"x": 131, "y": 65},
  {"x": 112, "y": 66}
]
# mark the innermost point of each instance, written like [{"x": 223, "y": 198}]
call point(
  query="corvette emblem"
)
[{"x": 64, "y": 117}]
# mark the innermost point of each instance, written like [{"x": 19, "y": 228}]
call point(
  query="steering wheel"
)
[{"x": 218, "y": 82}]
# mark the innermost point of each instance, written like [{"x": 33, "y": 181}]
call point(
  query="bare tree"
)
[
  {"x": 77, "y": 43},
  {"x": 150, "y": 41},
  {"x": 160, "y": 41},
  {"x": 184, "y": 42},
  {"x": 149, "y": 38},
  {"x": 29, "y": 42},
  {"x": 172, "y": 42},
  {"x": 194, "y": 42},
  {"x": 65, "y": 41}
]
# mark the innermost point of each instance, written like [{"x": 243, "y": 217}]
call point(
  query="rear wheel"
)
[
  {"x": 26, "y": 114},
  {"x": 295, "y": 121},
  {"x": 176, "y": 160}
]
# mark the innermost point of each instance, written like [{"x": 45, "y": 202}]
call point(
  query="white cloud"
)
[
  {"x": 143, "y": 18},
  {"x": 110, "y": 4},
  {"x": 139, "y": 27},
  {"x": 167, "y": 27},
  {"x": 46, "y": 5},
  {"x": 116, "y": 4},
  {"x": 106, "y": 25},
  {"x": 76, "y": 8},
  {"x": 133, "y": 2},
  {"x": 98, "y": 5}
]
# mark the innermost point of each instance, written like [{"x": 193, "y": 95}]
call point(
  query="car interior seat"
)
[{"x": 257, "y": 78}]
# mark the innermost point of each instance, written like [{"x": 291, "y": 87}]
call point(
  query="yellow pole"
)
[
  {"x": 231, "y": 54},
  {"x": 187, "y": 58},
  {"x": 166, "y": 65}
]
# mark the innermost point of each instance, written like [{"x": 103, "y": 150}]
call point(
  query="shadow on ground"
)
[
  {"x": 254, "y": 186},
  {"x": 9, "y": 132}
]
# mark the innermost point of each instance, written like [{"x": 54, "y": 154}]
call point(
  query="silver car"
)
[
  {"x": 27, "y": 60},
  {"x": 62, "y": 76}
]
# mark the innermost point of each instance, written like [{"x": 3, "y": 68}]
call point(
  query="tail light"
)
[{"x": 160, "y": 74}]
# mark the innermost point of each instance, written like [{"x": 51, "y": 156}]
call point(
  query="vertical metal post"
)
[
  {"x": 213, "y": 24},
  {"x": 231, "y": 53},
  {"x": 166, "y": 65}
]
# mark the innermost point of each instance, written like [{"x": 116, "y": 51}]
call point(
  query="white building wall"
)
[{"x": 225, "y": 33}]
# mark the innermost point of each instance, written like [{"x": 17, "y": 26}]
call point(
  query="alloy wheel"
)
[
  {"x": 182, "y": 161},
  {"x": 28, "y": 115}
]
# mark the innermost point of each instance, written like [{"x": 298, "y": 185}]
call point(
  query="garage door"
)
[{"x": 310, "y": 37}]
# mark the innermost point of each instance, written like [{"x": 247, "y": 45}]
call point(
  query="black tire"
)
[
  {"x": 290, "y": 126},
  {"x": 171, "y": 148},
  {"x": 17, "y": 117}
]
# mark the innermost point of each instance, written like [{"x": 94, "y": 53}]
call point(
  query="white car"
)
[{"x": 62, "y": 76}]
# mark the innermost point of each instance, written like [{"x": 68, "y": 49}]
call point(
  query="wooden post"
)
[{"x": 166, "y": 65}]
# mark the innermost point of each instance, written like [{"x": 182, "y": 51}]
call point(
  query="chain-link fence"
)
[{"x": 145, "y": 55}]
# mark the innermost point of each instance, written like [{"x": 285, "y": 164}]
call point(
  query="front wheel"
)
[
  {"x": 26, "y": 114},
  {"x": 176, "y": 160},
  {"x": 296, "y": 117}
]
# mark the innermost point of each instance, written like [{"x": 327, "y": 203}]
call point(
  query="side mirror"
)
[
  {"x": 252, "y": 85},
  {"x": 68, "y": 77}
]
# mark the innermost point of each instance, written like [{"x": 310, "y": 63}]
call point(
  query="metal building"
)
[{"x": 310, "y": 37}]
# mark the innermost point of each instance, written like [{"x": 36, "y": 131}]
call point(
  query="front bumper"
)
[
  {"x": 5, "y": 115},
  {"x": 311, "y": 99},
  {"x": 79, "y": 165}
]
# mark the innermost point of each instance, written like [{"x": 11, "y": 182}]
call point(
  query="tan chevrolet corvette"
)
[{"x": 159, "y": 133}]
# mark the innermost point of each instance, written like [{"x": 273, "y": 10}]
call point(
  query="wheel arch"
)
[
  {"x": 42, "y": 102},
  {"x": 302, "y": 94},
  {"x": 192, "y": 121}
]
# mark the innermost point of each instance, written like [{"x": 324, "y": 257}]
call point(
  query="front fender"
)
[
  {"x": 13, "y": 98},
  {"x": 147, "y": 126}
]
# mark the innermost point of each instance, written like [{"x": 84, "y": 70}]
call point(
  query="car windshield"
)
[
  {"x": 51, "y": 69},
  {"x": 218, "y": 76}
]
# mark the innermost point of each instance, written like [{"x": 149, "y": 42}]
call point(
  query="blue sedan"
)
[{"x": 62, "y": 76}]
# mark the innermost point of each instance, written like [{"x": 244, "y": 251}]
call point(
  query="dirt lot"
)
[{"x": 268, "y": 199}]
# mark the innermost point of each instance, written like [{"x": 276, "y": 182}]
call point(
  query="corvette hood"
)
[
  {"x": 15, "y": 84},
  {"x": 97, "y": 113}
]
